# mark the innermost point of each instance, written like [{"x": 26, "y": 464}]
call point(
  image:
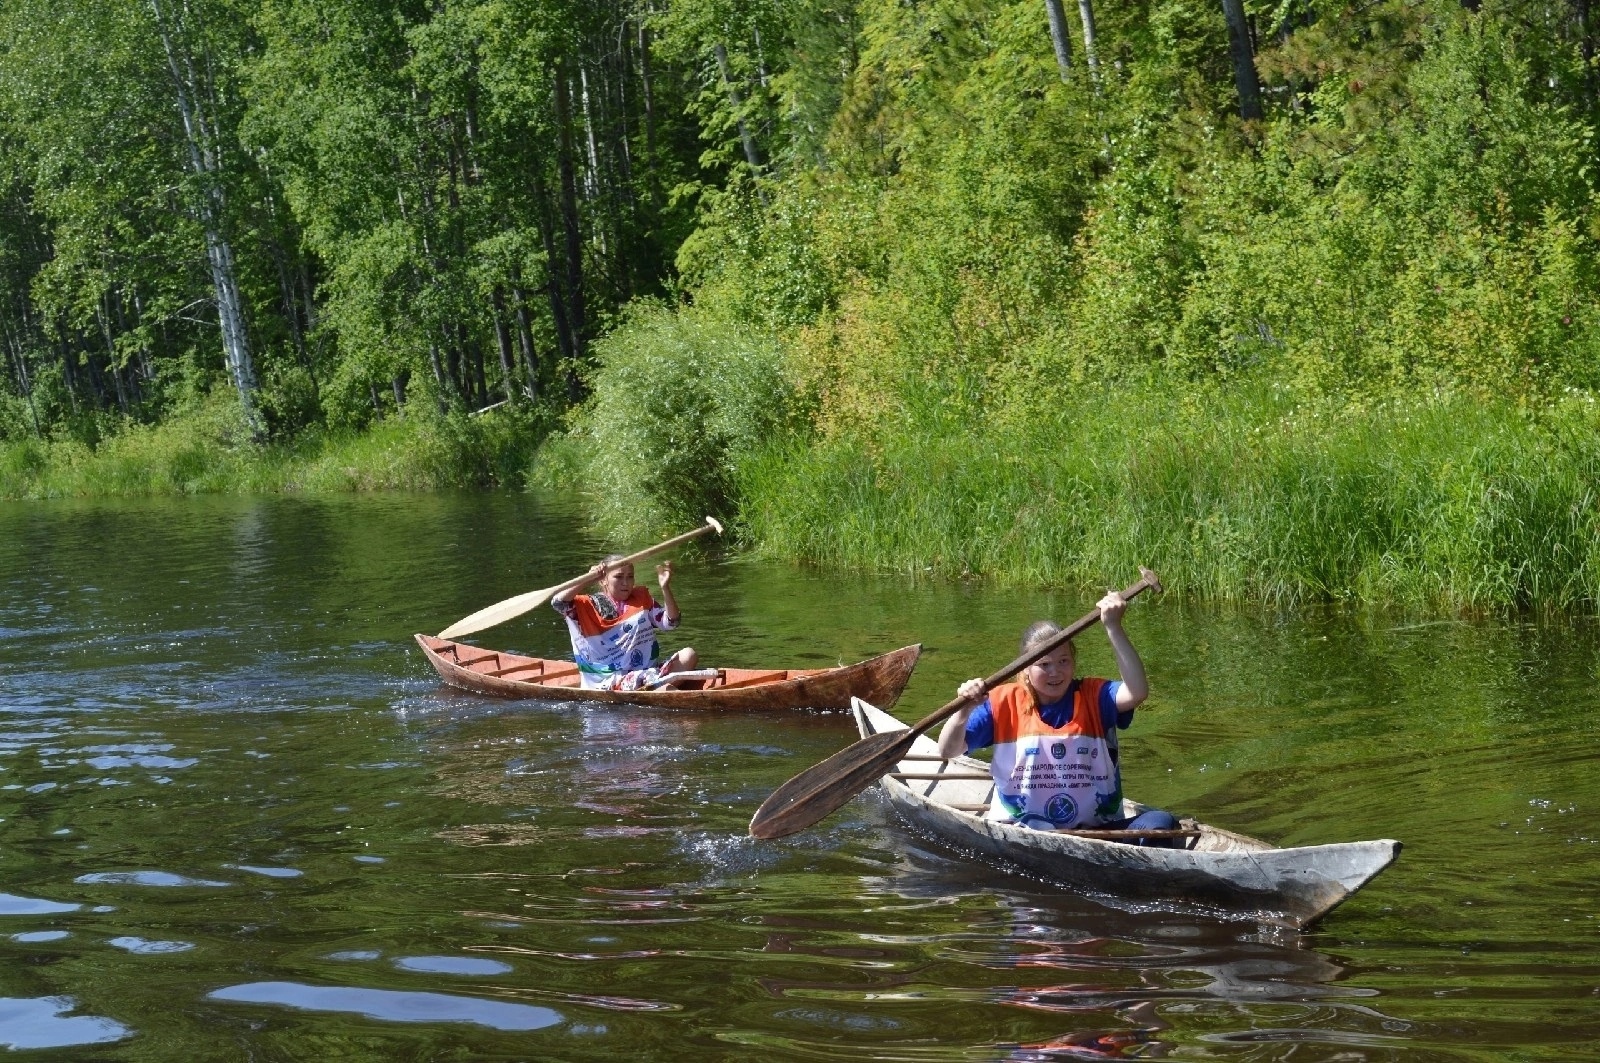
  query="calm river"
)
[{"x": 241, "y": 819}]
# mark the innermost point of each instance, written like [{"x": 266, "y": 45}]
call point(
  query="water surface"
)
[{"x": 240, "y": 818}]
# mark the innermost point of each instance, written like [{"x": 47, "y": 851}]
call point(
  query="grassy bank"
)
[
  {"x": 1445, "y": 502},
  {"x": 205, "y": 450},
  {"x": 1229, "y": 494}
]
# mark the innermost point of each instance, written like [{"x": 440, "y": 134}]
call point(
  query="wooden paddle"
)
[
  {"x": 500, "y": 612},
  {"x": 822, "y": 788}
]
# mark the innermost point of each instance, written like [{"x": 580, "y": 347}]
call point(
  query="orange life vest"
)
[{"x": 1049, "y": 777}]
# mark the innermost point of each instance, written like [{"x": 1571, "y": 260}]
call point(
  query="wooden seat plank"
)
[
  {"x": 531, "y": 666},
  {"x": 756, "y": 679},
  {"x": 941, "y": 776},
  {"x": 468, "y": 662}
]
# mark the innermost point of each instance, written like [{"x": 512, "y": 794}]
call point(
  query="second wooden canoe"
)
[
  {"x": 1219, "y": 872},
  {"x": 510, "y": 675}
]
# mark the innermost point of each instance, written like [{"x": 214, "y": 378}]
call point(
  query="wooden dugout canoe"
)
[
  {"x": 509, "y": 675},
  {"x": 1220, "y": 872}
]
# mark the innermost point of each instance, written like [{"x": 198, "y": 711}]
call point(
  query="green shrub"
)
[{"x": 677, "y": 401}]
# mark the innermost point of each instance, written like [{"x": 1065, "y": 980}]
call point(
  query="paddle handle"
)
[
  {"x": 711, "y": 524},
  {"x": 1147, "y": 581}
]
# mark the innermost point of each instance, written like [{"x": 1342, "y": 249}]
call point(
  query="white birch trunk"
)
[
  {"x": 649, "y": 99},
  {"x": 1060, "y": 40},
  {"x": 591, "y": 178},
  {"x": 750, "y": 154},
  {"x": 1086, "y": 13},
  {"x": 200, "y": 138}
]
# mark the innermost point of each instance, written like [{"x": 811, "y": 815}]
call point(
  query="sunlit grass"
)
[{"x": 1447, "y": 501}]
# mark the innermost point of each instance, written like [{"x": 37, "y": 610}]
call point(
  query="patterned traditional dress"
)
[{"x": 614, "y": 643}]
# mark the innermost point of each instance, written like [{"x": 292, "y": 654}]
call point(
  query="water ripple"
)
[
  {"x": 13, "y": 905},
  {"x": 145, "y": 947},
  {"x": 462, "y": 965},
  {"x": 269, "y": 872}
]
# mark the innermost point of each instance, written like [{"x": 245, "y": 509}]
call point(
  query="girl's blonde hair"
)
[{"x": 1041, "y": 631}]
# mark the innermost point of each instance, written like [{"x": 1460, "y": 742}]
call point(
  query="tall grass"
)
[
  {"x": 1445, "y": 502},
  {"x": 205, "y": 449}
]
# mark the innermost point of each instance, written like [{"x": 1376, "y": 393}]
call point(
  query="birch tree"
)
[
  {"x": 1086, "y": 16},
  {"x": 192, "y": 63}
]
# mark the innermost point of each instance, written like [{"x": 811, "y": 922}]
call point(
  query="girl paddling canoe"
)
[
  {"x": 614, "y": 629},
  {"x": 1054, "y": 735}
]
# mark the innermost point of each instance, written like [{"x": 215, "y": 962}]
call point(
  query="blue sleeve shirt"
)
[{"x": 980, "y": 725}]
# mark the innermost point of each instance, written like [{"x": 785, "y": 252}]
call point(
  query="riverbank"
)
[
  {"x": 205, "y": 451},
  {"x": 1442, "y": 502}
]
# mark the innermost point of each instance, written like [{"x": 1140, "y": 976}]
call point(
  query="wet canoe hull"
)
[
  {"x": 1223, "y": 873},
  {"x": 510, "y": 675}
]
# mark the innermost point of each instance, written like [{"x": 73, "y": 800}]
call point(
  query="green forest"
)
[{"x": 1288, "y": 299}]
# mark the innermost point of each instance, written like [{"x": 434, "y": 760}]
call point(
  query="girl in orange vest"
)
[
  {"x": 614, "y": 629},
  {"x": 1054, "y": 735}
]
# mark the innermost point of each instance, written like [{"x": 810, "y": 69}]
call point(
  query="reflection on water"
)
[
  {"x": 10, "y": 905},
  {"x": 142, "y": 878},
  {"x": 269, "y": 872},
  {"x": 148, "y": 948},
  {"x": 392, "y": 1006},
  {"x": 44, "y": 1023},
  {"x": 452, "y": 965},
  {"x": 238, "y": 817}
]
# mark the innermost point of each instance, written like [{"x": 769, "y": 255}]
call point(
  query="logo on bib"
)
[
  {"x": 1061, "y": 809},
  {"x": 1059, "y": 750}
]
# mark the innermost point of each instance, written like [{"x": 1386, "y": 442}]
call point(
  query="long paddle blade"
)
[
  {"x": 823, "y": 788},
  {"x": 500, "y": 612}
]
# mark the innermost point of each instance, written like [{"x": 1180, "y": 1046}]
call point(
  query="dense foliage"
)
[
  {"x": 855, "y": 231},
  {"x": 680, "y": 404},
  {"x": 1233, "y": 495},
  {"x": 337, "y": 210}
]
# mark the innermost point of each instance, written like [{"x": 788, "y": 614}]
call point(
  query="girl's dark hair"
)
[{"x": 1039, "y": 631}]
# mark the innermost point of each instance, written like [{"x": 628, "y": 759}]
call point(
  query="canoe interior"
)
[
  {"x": 538, "y": 671},
  {"x": 969, "y": 790}
]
